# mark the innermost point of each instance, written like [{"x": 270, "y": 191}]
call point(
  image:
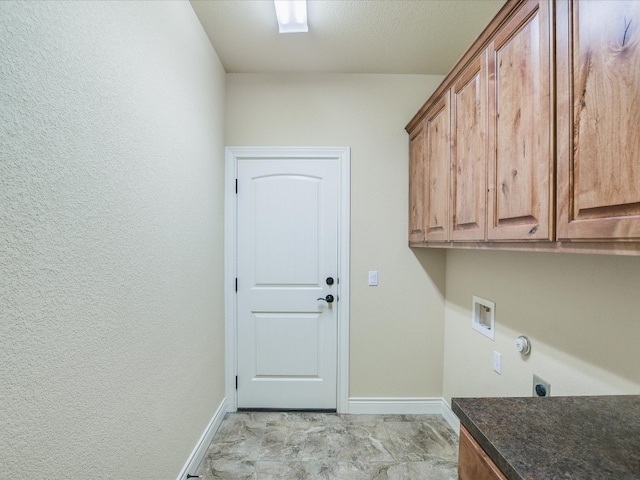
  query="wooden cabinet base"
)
[
  {"x": 473, "y": 462},
  {"x": 600, "y": 248}
]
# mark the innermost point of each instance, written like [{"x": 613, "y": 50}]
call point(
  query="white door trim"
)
[{"x": 232, "y": 154}]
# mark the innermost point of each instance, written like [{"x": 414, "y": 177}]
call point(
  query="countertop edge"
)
[{"x": 482, "y": 440}]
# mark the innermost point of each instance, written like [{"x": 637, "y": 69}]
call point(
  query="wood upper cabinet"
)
[
  {"x": 521, "y": 159},
  {"x": 534, "y": 135},
  {"x": 437, "y": 165},
  {"x": 598, "y": 75},
  {"x": 469, "y": 152},
  {"x": 417, "y": 183}
]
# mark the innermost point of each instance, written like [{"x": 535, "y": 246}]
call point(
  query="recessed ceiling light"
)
[{"x": 292, "y": 16}]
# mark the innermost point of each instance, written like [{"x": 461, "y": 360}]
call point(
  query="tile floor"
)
[{"x": 328, "y": 446}]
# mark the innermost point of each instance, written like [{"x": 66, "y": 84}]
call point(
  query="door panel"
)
[
  {"x": 469, "y": 152},
  {"x": 417, "y": 184},
  {"x": 520, "y": 127},
  {"x": 598, "y": 118},
  {"x": 438, "y": 167},
  {"x": 287, "y": 224},
  {"x": 287, "y": 344},
  {"x": 287, "y": 247}
]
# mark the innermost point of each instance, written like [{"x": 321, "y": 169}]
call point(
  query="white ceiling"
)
[{"x": 346, "y": 36}]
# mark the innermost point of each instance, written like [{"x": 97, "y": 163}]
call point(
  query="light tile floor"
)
[{"x": 309, "y": 446}]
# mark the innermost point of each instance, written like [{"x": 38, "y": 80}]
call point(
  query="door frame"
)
[{"x": 232, "y": 155}]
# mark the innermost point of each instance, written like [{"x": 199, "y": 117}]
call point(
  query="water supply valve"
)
[{"x": 523, "y": 345}]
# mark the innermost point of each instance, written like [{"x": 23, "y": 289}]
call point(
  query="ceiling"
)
[{"x": 346, "y": 36}]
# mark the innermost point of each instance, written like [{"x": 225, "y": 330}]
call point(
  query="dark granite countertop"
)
[{"x": 557, "y": 437}]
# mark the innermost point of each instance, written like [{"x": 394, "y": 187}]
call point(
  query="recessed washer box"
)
[{"x": 483, "y": 314}]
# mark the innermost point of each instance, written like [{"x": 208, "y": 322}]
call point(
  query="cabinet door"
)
[
  {"x": 417, "y": 184},
  {"x": 598, "y": 119},
  {"x": 469, "y": 152},
  {"x": 438, "y": 164},
  {"x": 473, "y": 462},
  {"x": 520, "y": 127}
]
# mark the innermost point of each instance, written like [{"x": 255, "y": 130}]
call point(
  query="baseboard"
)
[
  {"x": 404, "y": 406},
  {"x": 395, "y": 406},
  {"x": 198, "y": 453},
  {"x": 450, "y": 417}
]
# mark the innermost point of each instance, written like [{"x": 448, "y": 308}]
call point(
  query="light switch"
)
[
  {"x": 497, "y": 362},
  {"x": 373, "y": 278}
]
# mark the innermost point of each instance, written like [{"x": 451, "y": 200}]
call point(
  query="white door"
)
[{"x": 287, "y": 266}]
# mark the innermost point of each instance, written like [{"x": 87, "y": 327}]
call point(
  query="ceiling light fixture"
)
[{"x": 292, "y": 16}]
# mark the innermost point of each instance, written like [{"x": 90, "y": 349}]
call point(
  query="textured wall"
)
[
  {"x": 396, "y": 341},
  {"x": 581, "y": 313},
  {"x": 111, "y": 213}
]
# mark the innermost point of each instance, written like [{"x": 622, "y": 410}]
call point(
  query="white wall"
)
[
  {"x": 581, "y": 313},
  {"x": 111, "y": 260},
  {"x": 396, "y": 346}
]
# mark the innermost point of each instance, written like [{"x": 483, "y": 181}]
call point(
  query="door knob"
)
[
  {"x": 328, "y": 299},
  {"x": 329, "y": 280}
]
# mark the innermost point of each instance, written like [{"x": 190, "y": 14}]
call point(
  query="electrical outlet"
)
[
  {"x": 541, "y": 388},
  {"x": 497, "y": 362}
]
